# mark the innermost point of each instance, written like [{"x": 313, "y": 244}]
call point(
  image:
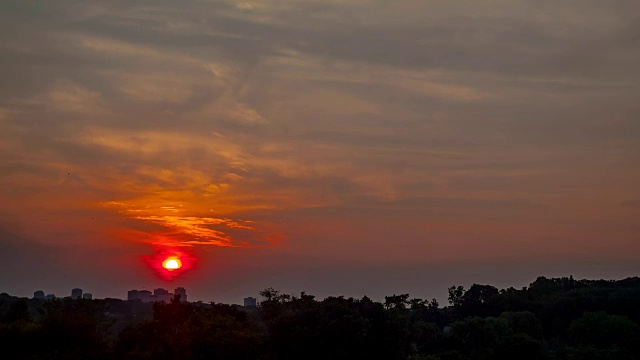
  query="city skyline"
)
[{"x": 158, "y": 295}]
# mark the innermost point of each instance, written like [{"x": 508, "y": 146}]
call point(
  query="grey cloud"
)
[
  {"x": 631, "y": 203},
  {"x": 479, "y": 44},
  {"x": 466, "y": 42},
  {"x": 371, "y": 210},
  {"x": 466, "y": 203},
  {"x": 23, "y": 167}
]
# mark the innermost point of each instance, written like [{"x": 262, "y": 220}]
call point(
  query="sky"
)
[{"x": 337, "y": 147}]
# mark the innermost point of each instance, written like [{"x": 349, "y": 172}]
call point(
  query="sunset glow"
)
[
  {"x": 234, "y": 145},
  {"x": 170, "y": 263}
]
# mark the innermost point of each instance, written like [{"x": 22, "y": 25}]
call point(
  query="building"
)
[
  {"x": 133, "y": 295},
  {"x": 38, "y": 294},
  {"x": 87, "y": 296},
  {"x": 158, "y": 295},
  {"x": 50, "y": 297},
  {"x": 160, "y": 291},
  {"x": 162, "y": 295},
  {"x": 250, "y": 302},
  {"x": 76, "y": 293},
  {"x": 182, "y": 292},
  {"x": 145, "y": 296}
]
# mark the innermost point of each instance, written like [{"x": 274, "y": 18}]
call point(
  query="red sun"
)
[{"x": 170, "y": 263}]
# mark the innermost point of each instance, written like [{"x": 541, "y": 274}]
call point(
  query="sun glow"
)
[
  {"x": 169, "y": 263},
  {"x": 172, "y": 264}
]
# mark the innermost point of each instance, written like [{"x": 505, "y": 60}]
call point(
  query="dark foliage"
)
[{"x": 551, "y": 319}]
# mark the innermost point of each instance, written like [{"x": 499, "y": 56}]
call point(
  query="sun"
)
[{"x": 172, "y": 263}]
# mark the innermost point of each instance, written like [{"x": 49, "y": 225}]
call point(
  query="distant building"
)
[
  {"x": 158, "y": 295},
  {"x": 161, "y": 295},
  {"x": 88, "y": 296},
  {"x": 76, "y": 293},
  {"x": 250, "y": 302},
  {"x": 182, "y": 292},
  {"x": 38, "y": 294},
  {"x": 146, "y": 296},
  {"x": 160, "y": 291},
  {"x": 133, "y": 295},
  {"x": 50, "y": 297}
]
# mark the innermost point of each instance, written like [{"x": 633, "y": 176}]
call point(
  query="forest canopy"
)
[{"x": 558, "y": 318}]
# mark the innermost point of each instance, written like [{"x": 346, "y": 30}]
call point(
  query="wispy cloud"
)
[
  {"x": 174, "y": 227},
  {"x": 196, "y": 114}
]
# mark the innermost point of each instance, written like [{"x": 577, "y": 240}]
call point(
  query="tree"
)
[
  {"x": 16, "y": 310},
  {"x": 524, "y": 322},
  {"x": 455, "y": 295},
  {"x": 73, "y": 329},
  {"x": 396, "y": 301},
  {"x": 479, "y": 300},
  {"x": 603, "y": 331},
  {"x": 479, "y": 337}
]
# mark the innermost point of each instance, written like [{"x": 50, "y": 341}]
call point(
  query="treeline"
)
[{"x": 560, "y": 318}]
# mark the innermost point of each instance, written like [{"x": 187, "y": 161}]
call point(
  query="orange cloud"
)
[{"x": 172, "y": 227}]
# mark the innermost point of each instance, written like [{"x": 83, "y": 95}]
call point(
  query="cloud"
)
[
  {"x": 179, "y": 226},
  {"x": 227, "y": 108},
  {"x": 631, "y": 203}
]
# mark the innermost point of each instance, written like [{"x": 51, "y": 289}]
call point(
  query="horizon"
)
[{"x": 257, "y": 296}]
